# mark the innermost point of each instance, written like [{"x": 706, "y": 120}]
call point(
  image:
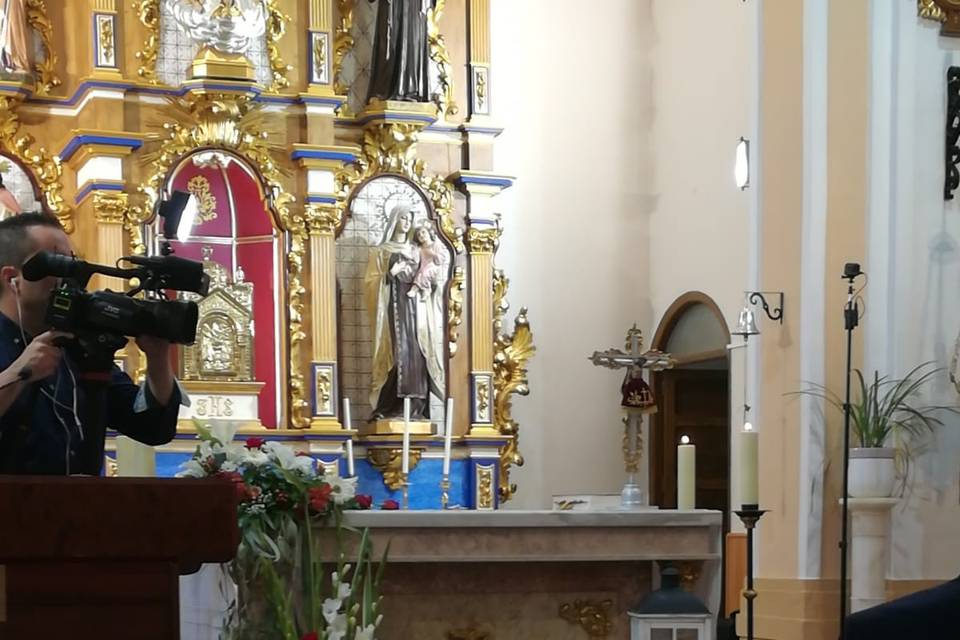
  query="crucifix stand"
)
[{"x": 637, "y": 401}]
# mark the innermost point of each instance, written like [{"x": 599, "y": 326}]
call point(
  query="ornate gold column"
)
[
  {"x": 323, "y": 218},
  {"x": 483, "y": 237}
]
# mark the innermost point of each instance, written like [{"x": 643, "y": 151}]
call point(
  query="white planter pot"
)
[{"x": 873, "y": 473}]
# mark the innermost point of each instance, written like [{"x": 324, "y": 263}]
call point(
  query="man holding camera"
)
[{"x": 54, "y": 412}]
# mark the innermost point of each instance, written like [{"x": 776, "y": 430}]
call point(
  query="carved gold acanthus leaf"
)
[
  {"x": 199, "y": 186},
  {"x": 46, "y": 68},
  {"x": 106, "y": 39},
  {"x": 342, "y": 44},
  {"x": 323, "y": 219},
  {"x": 930, "y": 10},
  {"x": 632, "y": 448},
  {"x": 276, "y": 27},
  {"x": 592, "y": 616},
  {"x": 438, "y": 53},
  {"x": 45, "y": 168},
  {"x": 110, "y": 207},
  {"x": 389, "y": 462},
  {"x": 455, "y": 307},
  {"x": 235, "y": 123},
  {"x": 149, "y": 13},
  {"x": 483, "y": 240},
  {"x": 511, "y": 353}
]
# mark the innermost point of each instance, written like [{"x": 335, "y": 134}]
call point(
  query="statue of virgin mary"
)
[{"x": 407, "y": 330}]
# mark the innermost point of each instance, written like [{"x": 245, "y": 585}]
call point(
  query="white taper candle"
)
[
  {"x": 406, "y": 436},
  {"x": 686, "y": 474}
]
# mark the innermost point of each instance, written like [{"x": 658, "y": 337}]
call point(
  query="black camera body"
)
[{"x": 77, "y": 311}]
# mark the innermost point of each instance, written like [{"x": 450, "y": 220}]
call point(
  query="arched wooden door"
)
[{"x": 692, "y": 399}]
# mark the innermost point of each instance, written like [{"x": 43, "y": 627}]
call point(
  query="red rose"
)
[
  {"x": 310, "y": 636},
  {"x": 255, "y": 443},
  {"x": 319, "y": 497},
  {"x": 363, "y": 501},
  {"x": 390, "y": 505}
]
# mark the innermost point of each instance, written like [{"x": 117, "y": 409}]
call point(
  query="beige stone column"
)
[{"x": 483, "y": 237}]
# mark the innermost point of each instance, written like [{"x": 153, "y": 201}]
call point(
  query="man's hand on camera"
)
[
  {"x": 41, "y": 357},
  {"x": 154, "y": 348}
]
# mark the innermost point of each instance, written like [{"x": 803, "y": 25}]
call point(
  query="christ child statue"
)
[{"x": 432, "y": 258}]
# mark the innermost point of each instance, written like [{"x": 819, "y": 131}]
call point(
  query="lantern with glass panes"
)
[{"x": 670, "y": 613}]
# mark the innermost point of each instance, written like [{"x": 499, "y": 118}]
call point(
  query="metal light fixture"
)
[
  {"x": 746, "y": 324},
  {"x": 741, "y": 168}
]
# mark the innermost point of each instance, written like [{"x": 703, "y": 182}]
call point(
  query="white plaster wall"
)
[
  {"x": 621, "y": 132},
  {"x": 913, "y": 306},
  {"x": 574, "y": 94}
]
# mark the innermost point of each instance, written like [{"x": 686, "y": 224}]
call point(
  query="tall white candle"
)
[
  {"x": 686, "y": 474},
  {"x": 749, "y": 441},
  {"x": 406, "y": 436},
  {"x": 350, "y": 472},
  {"x": 347, "y": 423},
  {"x": 448, "y": 437}
]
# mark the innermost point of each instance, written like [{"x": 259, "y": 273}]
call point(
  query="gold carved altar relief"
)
[{"x": 224, "y": 347}]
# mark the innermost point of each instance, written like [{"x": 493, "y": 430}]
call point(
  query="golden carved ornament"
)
[
  {"x": 455, "y": 308},
  {"x": 930, "y": 10},
  {"x": 483, "y": 397},
  {"x": 481, "y": 90},
  {"x": 110, "y": 468},
  {"x": 324, "y": 389},
  {"x": 110, "y": 207},
  {"x": 510, "y": 356},
  {"x": 149, "y": 13},
  {"x": 438, "y": 53},
  {"x": 199, "y": 186},
  {"x": 46, "y": 68},
  {"x": 276, "y": 27},
  {"x": 592, "y": 616},
  {"x": 106, "y": 39},
  {"x": 323, "y": 219},
  {"x": 484, "y": 487},
  {"x": 342, "y": 44},
  {"x": 319, "y": 56},
  {"x": 45, "y": 168},
  {"x": 483, "y": 240},
  {"x": 235, "y": 123},
  {"x": 389, "y": 462}
]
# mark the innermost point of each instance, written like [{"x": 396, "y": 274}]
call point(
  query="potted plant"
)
[{"x": 884, "y": 420}]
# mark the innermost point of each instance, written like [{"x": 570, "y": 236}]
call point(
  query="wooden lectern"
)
[{"x": 100, "y": 557}]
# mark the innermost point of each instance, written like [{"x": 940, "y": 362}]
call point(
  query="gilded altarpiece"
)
[{"x": 261, "y": 115}]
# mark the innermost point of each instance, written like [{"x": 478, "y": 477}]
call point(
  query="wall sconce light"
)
[
  {"x": 747, "y": 323},
  {"x": 741, "y": 168}
]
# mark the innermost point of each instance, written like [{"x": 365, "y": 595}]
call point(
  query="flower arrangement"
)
[{"x": 284, "y": 590}]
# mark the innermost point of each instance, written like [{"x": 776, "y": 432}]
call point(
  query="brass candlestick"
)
[{"x": 444, "y": 491}]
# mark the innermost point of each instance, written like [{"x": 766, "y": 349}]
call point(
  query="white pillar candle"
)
[
  {"x": 448, "y": 437},
  {"x": 686, "y": 474},
  {"x": 406, "y": 436},
  {"x": 350, "y": 472},
  {"x": 347, "y": 424},
  {"x": 749, "y": 441},
  {"x": 135, "y": 459}
]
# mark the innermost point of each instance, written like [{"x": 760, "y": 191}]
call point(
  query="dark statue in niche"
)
[{"x": 400, "y": 65}]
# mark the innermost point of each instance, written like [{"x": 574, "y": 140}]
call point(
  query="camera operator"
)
[{"x": 41, "y": 403}]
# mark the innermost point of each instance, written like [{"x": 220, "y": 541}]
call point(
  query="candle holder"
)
[
  {"x": 749, "y": 514},
  {"x": 444, "y": 491},
  {"x": 406, "y": 491}
]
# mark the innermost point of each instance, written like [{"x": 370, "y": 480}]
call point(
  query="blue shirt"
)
[{"x": 47, "y": 430}]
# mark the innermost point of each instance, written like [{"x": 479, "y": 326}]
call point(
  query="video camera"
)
[{"x": 101, "y": 319}]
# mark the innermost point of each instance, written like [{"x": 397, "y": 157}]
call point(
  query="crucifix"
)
[{"x": 637, "y": 401}]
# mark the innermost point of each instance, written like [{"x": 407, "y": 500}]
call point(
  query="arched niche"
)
[
  {"x": 369, "y": 209},
  {"x": 238, "y": 230},
  {"x": 20, "y": 186}
]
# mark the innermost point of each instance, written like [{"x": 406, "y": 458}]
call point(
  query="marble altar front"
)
[{"x": 513, "y": 575}]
